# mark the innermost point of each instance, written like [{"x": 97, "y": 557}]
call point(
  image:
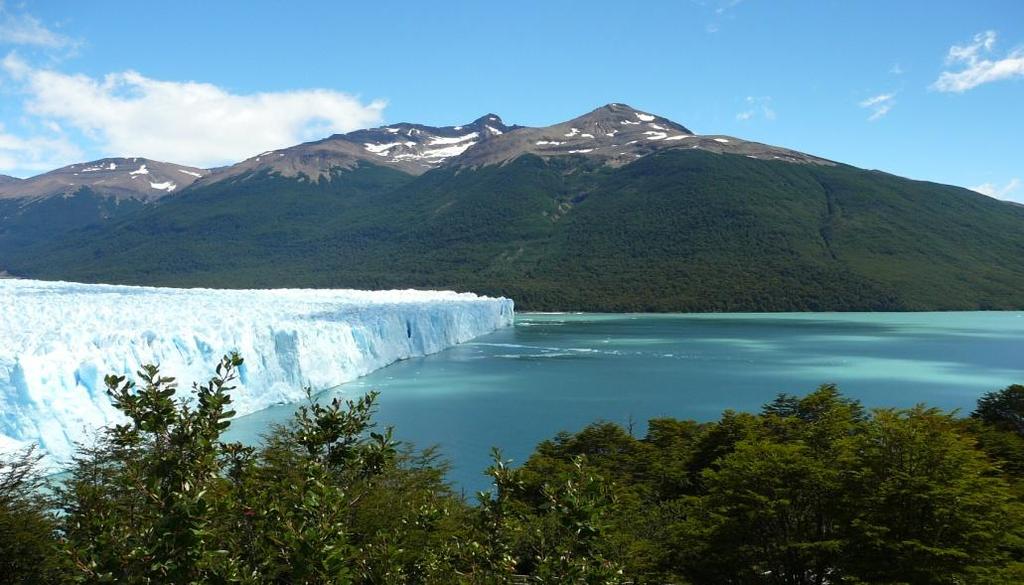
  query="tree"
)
[
  {"x": 928, "y": 507},
  {"x": 1003, "y": 409},
  {"x": 29, "y": 551},
  {"x": 138, "y": 505}
]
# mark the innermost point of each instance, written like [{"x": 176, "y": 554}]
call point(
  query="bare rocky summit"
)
[
  {"x": 410, "y": 148},
  {"x": 617, "y": 135},
  {"x": 140, "y": 179}
]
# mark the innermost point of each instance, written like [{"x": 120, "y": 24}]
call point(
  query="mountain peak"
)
[
  {"x": 616, "y": 134},
  {"x": 616, "y": 114},
  {"x": 492, "y": 119}
]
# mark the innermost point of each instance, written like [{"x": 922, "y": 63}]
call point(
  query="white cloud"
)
[
  {"x": 1004, "y": 192},
  {"x": 35, "y": 153},
  {"x": 977, "y": 68},
  {"x": 880, "y": 105},
  {"x": 757, "y": 106},
  {"x": 200, "y": 124},
  {"x": 896, "y": 69},
  {"x": 23, "y": 29}
]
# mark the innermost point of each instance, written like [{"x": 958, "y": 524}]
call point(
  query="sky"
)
[{"x": 932, "y": 90}]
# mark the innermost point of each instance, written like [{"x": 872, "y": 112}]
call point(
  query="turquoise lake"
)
[{"x": 554, "y": 372}]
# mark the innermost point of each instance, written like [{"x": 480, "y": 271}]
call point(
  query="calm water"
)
[{"x": 521, "y": 385}]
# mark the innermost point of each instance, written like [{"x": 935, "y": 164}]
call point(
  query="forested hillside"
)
[{"x": 680, "y": 229}]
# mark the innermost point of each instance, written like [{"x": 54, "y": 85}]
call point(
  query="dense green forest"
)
[
  {"x": 678, "y": 230},
  {"x": 811, "y": 490}
]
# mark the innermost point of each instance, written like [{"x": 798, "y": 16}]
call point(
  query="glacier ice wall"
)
[{"x": 58, "y": 340}]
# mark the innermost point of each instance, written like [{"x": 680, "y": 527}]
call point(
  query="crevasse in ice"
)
[{"x": 58, "y": 340}]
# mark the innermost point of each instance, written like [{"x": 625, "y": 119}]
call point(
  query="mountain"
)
[
  {"x": 140, "y": 179},
  {"x": 4, "y": 179},
  {"x": 629, "y": 211},
  {"x": 410, "y": 148},
  {"x": 617, "y": 135},
  {"x": 46, "y": 207}
]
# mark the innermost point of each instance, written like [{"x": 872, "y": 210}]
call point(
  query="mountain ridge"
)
[
  {"x": 698, "y": 223},
  {"x": 118, "y": 177}
]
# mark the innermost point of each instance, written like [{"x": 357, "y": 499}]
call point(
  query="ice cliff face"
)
[{"x": 58, "y": 340}]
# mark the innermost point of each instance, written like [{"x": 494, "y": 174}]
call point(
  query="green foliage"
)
[
  {"x": 1003, "y": 410},
  {"x": 138, "y": 505},
  {"x": 811, "y": 490},
  {"x": 29, "y": 553},
  {"x": 679, "y": 230}
]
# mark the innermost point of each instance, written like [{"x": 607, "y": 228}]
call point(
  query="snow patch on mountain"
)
[
  {"x": 166, "y": 185},
  {"x": 453, "y": 140}
]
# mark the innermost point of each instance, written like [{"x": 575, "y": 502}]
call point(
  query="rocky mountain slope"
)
[
  {"x": 119, "y": 178},
  {"x": 410, "y": 148},
  {"x": 617, "y": 134}
]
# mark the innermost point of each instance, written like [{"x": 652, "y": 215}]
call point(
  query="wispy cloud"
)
[
  {"x": 724, "y": 6},
  {"x": 1007, "y": 191},
  {"x": 187, "y": 122},
  {"x": 718, "y": 11},
  {"x": 26, "y": 30},
  {"x": 35, "y": 153},
  {"x": 880, "y": 105},
  {"x": 896, "y": 69},
  {"x": 976, "y": 66},
  {"x": 757, "y": 107}
]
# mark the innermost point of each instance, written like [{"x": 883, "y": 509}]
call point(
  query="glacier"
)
[{"x": 58, "y": 340}]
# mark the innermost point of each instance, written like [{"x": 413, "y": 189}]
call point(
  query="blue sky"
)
[{"x": 931, "y": 90}]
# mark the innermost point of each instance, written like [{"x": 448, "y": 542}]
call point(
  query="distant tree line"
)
[{"x": 811, "y": 490}]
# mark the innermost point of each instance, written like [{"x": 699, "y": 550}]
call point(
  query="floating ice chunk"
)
[{"x": 58, "y": 340}]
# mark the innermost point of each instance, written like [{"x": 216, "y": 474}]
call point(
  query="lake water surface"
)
[{"x": 554, "y": 372}]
